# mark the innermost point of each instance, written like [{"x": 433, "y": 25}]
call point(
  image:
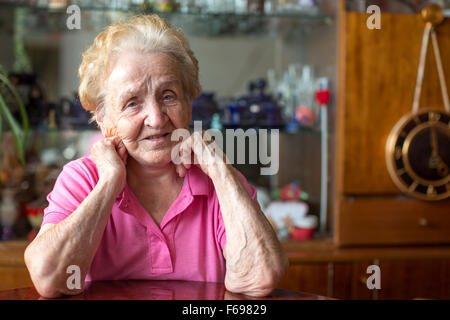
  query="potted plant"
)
[
  {"x": 12, "y": 170},
  {"x": 9, "y": 97},
  {"x": 21, "y": 131}
]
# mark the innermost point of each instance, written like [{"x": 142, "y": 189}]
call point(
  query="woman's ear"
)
[
  {"x": 102, "y": 126},
  {"x": 105, "y": 123},
  {"x": 108, "y": 130}
]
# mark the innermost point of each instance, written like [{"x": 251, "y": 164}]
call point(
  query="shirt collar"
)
[
  {"x": 196, "y": 183},
  {"x": 123, "y": 199},
  {"x": 199, "y": 183}
]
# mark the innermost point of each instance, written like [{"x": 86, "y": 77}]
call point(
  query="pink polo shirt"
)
[{"x": 186, "y": 246}]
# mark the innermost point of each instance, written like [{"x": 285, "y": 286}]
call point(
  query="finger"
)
[
  {"x": 123, "y": 154},
  {"x": 200, "y": 147},
  {"x": 207, "y": 139},
  {"x": 104, "y": 145},
  {"x": 120, "y": 147},
  {"x": 110, "y": 132},
  {"x": 181, "y": 170},
  {"x": 195, "y": 148},
  {"x": 186, "y": 153},
  {"x": 197, "y": 142}
]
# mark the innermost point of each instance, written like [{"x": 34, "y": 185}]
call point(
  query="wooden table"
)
[{"x": 157, "y": 290}]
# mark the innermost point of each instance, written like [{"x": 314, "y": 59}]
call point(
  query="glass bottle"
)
[{"x": 8, "y": 213}]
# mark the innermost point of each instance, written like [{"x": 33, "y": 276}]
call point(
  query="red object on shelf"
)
[
  {"x": 323, "y": 97},
  {"x": 305, "y": 116},
  {"x": 34, "y": 211},
  {"x": 302, "y": 233},
  {"x": 290, "y": 192}
]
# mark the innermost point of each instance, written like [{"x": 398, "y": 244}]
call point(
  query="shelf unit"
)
[
  {"x": 46, "y": 19},
  {"x": 46, "y": 27},
  {"x": 139, "y": 10}
]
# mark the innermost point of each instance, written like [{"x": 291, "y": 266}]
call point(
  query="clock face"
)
[{"x": 418, "y": 154}]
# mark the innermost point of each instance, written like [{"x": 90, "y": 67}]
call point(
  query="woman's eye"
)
[
  {"x": 132, "y": 104},
  {"x": 168, "y": 96}
]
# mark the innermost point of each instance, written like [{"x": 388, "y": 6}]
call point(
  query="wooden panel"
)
[
  {"x": 379, "y": 69},
  {"x": 324, "y": 251},
  {"x": 425, "y": 279},
  {"x": 445, "y": 280},
  {"x": 391, "y": 220},
  {"x": 13, "y": 272},
  {"x": 11, "y": 253},
  {"x": 311, "y": 278},
  {"x": 414, "y": 280},
  {"x": 14, "y": 277},
  {"x": 350, "y": 281}
]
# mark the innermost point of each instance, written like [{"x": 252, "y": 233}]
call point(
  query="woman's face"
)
[{"x": 146, "y": 102}]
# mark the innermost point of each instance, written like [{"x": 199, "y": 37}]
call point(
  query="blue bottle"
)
[{"x": 203, "y": 109}]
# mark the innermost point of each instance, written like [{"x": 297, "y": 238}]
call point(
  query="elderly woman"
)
[{"x": 129, "y": 211}]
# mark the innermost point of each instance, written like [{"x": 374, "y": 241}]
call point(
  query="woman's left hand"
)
[
  {"x": 200, "y": 149},
  {"x": 255, "y": 261}
]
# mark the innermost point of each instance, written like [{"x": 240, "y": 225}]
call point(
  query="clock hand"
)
[
  {"x": 432, "y": 163},
  {"x": 434, "y": 143},
  {"x": 436, "y": 160}
]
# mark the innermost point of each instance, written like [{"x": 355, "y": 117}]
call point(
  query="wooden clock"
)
[
  {"x": 418, "y": 147},
  {"x": 418, "y": 154}
]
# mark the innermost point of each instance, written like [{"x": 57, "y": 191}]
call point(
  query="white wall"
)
[{"x": 225, "y": 64}]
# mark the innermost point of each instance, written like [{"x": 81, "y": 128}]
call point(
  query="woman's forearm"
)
[
  {"x": 73, "y": 241},
  {"x": 255, "y": 260}
]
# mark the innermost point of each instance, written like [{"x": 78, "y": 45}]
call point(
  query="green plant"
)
[{"x": 20, "y": 132}]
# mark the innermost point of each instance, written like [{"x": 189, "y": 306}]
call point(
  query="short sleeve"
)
[
  {"x": 74, "y": 183},
  {"x": 221, "y": 234}
]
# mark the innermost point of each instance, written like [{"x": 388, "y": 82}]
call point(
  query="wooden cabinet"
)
[
  {"x": 415, "y": 279},
  {"x": 307, "y": 277},
  {"x": 377, "y": 71},
  {"x": 14, "y": 277},
  {"x": 13, "y": 272},
  {"x": 391, "y": 220},
  {"x": 350, "y": 281}
]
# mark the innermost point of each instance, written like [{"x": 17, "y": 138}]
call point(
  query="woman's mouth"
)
[{"x": 157, "y": 138}]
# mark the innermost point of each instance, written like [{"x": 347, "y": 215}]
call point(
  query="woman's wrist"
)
[
  {"x": 110, "y": 187},
  {"x": 219, "y": 171}
]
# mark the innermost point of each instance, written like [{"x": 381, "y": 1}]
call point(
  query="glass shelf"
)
[{"x": 43, "y": 21}]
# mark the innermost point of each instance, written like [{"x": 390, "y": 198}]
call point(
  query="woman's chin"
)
[{"x": 158, "y": 158}]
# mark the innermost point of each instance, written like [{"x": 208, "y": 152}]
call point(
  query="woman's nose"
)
[{"x": 155, "y": 116}]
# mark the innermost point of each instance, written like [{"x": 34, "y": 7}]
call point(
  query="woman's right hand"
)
[{"x": 110, "y": 157}]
